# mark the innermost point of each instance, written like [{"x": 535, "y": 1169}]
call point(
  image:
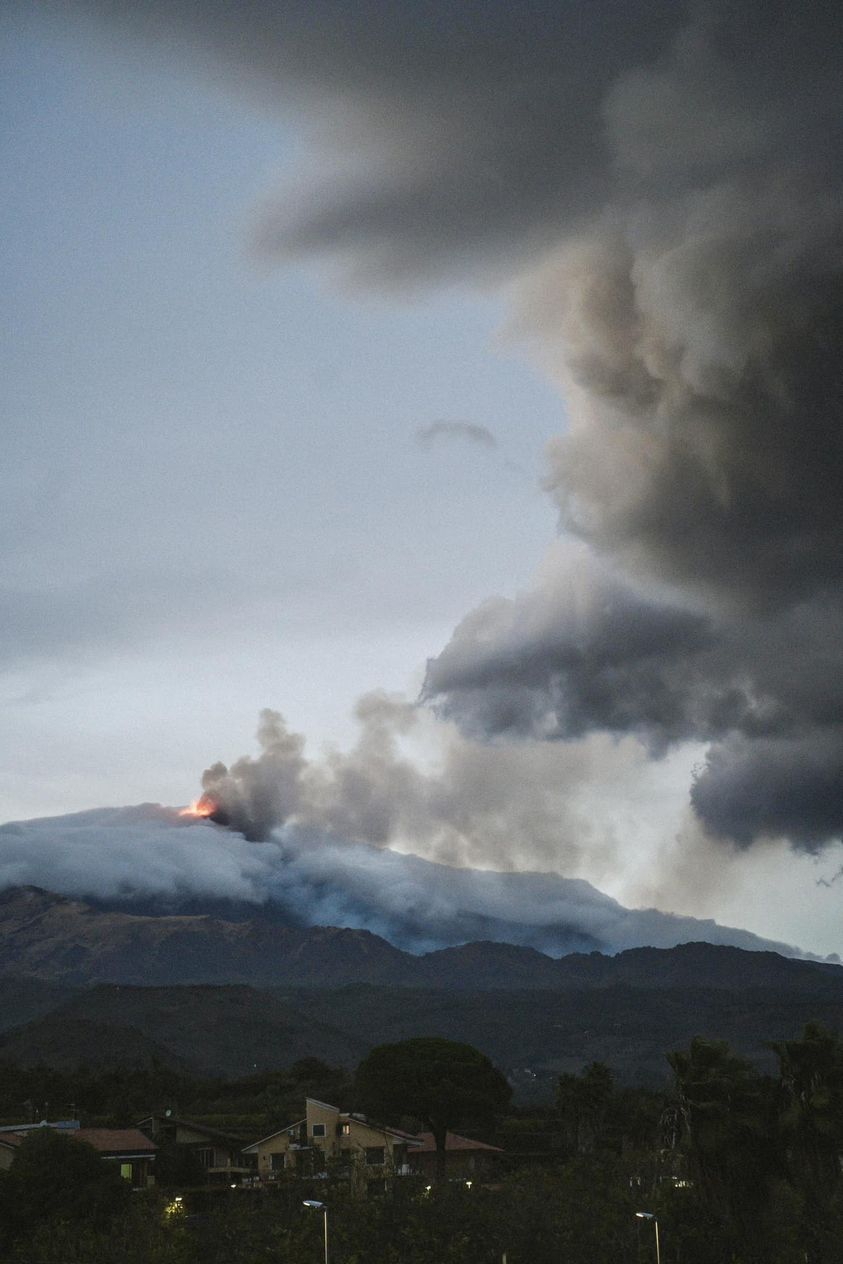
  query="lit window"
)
[{"x": 346, "y": 1130}]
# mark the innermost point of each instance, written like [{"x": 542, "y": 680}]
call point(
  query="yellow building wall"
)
[{"x": 339, "y": 1136}]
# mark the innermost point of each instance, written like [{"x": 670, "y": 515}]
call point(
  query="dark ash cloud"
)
[
  {"x": 583, "y": 652},
  {"x": 660, "y": 188},
  {"x": 774, "y": 786}
]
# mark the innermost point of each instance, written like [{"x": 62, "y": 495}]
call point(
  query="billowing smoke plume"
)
[
  {"x": 420, "y": 785},
  {"x": 658, "y": 185},
  {"x": 255, "y": 795},
  {"x": 584, "y": 651}
]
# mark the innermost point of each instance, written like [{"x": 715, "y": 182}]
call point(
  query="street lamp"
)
[
  {"x": 317, "y": 1206},
  {"x": 649, "y": 1215}
]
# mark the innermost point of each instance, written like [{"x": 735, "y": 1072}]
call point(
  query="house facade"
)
[
  {"x": 331, "y": 1140},
  {"x": 218, "y": 1154},
  {"x": 465, "y": 1159},
  {"x": 128, "y": 1148},
  {"x": 370, "y": 1155}
]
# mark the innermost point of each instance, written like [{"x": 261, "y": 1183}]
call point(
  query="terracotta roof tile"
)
[
  {"x": 453, "y": 1142},
  {"x": 110, "y": 1140},
  {"x": 105, "y": 1140}
]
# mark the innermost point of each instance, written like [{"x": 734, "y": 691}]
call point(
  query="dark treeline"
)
[
  {"x": 739, "y": 1167},
  {"x": 120, "y": 1095}
]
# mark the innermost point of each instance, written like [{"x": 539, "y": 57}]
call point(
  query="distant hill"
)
[
  {"x": 537, "y": 1034},
  {"x": 58, "y": 940},
  {"x": 23, "y": 998},
  {"x": 224, "y": 1031},
  {"x": 52, "y": 937},
  {"x": 233, "y": 997},
  {"x": 65, "y": 1041},
  {"x": 532, "y": 1033}
]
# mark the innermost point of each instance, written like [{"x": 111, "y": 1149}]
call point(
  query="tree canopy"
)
[
  {"x": 443, "y": 1084},
  {"x": 54, "y": 1177}
]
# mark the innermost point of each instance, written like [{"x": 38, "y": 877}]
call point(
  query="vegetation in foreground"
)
[{"x": 740, "y": 1168}]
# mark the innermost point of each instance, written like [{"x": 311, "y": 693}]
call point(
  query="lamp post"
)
[
  {"x": 649, "y": 1215},
  {"x": 317, "y": 1206}
]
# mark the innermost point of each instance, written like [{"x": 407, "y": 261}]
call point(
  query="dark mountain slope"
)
[
  {"x": 53, "y": 938},
  {"x": 630, "y": 1028},
  {"x": 23, "y": 998},
  {"x": 65, "y": 1042},
  {"x": 228, "y": 1031},
  {"x": 232, "y": 1031},
  {"x": 528, "y": 1011}
]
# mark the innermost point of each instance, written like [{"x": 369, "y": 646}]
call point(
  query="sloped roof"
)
[
  {"x": 214, "y": 1134},
  {"x": 278, "y": 1132},
  {"x": 103, "y": 1140},
  {"x": 115, "y": 1140},
  {"x": 453, "y": 1141},
  {"x": 409, "y": 1137},
  {"x": 343, "y": 1117}
]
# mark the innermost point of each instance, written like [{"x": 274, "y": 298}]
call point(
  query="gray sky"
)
[{"x": 320, "y": 331}]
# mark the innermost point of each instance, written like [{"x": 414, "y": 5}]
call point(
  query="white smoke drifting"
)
[{"x": 152, "y": 855}]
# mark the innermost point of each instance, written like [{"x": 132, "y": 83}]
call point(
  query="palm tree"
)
[
  {"x": 811, "y": 1122},
  {"x": 728, "y": 1120}
]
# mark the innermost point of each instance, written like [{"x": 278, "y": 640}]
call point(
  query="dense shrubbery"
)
[
  {"x": 740, "y": 1168},
  {"x": 119, "y": 1096}
]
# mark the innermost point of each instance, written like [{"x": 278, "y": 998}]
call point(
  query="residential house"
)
[
  {"x": 219, "y": 1154},
  {"x": 328, "y": 1139},
  {"x": 464, "y": 1159},
  {"x": 128, "y": 1147},
  {"x": 331, "y": 1140}
]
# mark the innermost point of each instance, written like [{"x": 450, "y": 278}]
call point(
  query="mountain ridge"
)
[
  {"x": 61, "y": 940},
  {"x": 81, "y": 985}
]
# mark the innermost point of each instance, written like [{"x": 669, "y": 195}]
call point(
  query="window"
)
[
  {"x": 276, "y": 1161},
  {"x": 345, "y": 1129},
  {"x": 374, "y": 1156},
  {"x": 206, "y": 1156},
  {"x": 318, "y": 1130},
  {"x": 126, "y": 1171}
]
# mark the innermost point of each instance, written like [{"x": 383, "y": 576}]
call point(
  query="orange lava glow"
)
[{"x": 204, "y": 806}]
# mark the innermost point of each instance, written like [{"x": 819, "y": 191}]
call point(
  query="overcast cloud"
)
[
  {"x": 655, "y": 189},
  {"x": 660, "y": 185},
  {"x": 467, "y": 430}
]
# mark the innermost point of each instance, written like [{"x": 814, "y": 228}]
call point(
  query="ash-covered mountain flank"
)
[
  {"x": 58, "y": 940},
  {"x": 179, "y": 871}
]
